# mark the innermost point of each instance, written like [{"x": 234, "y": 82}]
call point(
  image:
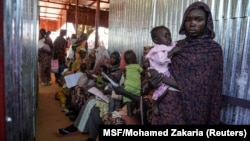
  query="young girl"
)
[
  {"x": 159, "y": 60},
  {"x": 132, "y": 82}
]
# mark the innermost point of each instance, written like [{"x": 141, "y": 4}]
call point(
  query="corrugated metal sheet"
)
[
  {"x": 20, "y": 59},
  {"x": 130, "y": 22}
]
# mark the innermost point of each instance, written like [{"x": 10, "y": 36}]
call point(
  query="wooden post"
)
[
  {"x": 97, "y": 19},
  {"x": 76, "y": 17}
]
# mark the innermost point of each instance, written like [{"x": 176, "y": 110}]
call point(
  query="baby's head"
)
[
  {"x": 161, "y": 35},
  {"x": 83, "y": 67}
]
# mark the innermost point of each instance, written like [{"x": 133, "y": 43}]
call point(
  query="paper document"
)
[
  {"x": 113, "y": 83},
  {"x": 98, "y": 93},
  {"x": 72, "y": 79}
]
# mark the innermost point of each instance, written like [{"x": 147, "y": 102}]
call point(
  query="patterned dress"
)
[
  {"x": 44, "y": 60},
  {"x": 198, "y": 71},
  {"x": 59, "y": 48}
]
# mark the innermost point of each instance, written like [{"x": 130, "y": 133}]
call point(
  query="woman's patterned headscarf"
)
[
  {"x": 114, "y": 70},
  {"x": 209, "y": 32}
]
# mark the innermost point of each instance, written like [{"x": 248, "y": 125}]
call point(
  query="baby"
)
[{"x": 159, "y": 60}]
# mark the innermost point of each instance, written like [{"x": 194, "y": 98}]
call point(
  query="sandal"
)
[
  {"x": 46, "y": 84},
  {"x": 43, "y": 84},
  {"x": 63, "y": 132}
]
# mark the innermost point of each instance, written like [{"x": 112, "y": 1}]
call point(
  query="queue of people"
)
[{"x": 184, "y": 80}]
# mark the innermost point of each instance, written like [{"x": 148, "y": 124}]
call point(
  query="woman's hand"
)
[
  {"x": 155, "y": 78},
  {"x": 90, "y": 75},
  {"x": 174, "y": 51},
  {"x": 119, "y": 90}
]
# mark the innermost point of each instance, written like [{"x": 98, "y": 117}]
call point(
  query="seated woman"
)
[
  {"x": 101, "y": 58},
  {"x": 80, "y": 58},
  {"x": 82, "y": 123},
  {"x": 76, "y": 67},
  {"x": 132, "y": 84},
  {"x": 65, "y": 92}
]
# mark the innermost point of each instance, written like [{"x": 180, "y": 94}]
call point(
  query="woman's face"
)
[
  {"x": 195, "y": 23},
  {"x": 112, "y": 59},
  {"x": 82, "y": 54}
]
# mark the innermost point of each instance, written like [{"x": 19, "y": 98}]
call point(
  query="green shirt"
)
[{"x": 132, "y": 83}]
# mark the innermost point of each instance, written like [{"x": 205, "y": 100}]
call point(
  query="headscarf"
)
[
  {"x": 117, "y": 57},
  {"x": 209, "y": 32},
  {"x": 198, "y": 71},
  {"x": 101, "y": 58},
  {"x": 42, "y": 33},
  {"x": 78, "y": 61},
  {"x": 123, "y": 64},
  {"x": 114, "y": 69}
]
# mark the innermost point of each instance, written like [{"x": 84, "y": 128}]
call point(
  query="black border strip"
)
[{"x": 236, "y": 101}]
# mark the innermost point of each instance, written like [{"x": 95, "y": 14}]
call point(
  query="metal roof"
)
[{"x": 52, "y": 9}]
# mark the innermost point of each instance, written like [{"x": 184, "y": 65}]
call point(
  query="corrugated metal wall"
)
[
  {"x": 20, "y": 59},
  {"x": 130, "y": 22}
]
